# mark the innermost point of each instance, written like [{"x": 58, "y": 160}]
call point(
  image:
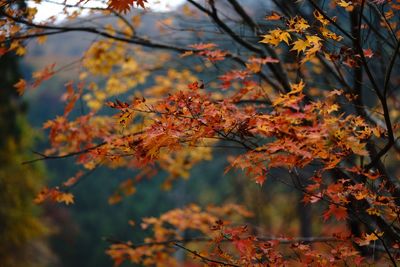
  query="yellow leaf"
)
[
  {"x": 186, "y": 10},
  {"x": 298, "y": 24},
  {"x": 20, "y": 51},
  {"x": 296, "y": 88},
  {"x": 313, "y": 39},
  {"x": 320, "y": 18},
  {"x": 331, "y": 35},
  {"x": 369, "y": 237},
  {"x": 275, "y": 37},
  {"x": 373, "y": 211},
  {"x": 136, "y": 21},
  {"x": 67, "y": 198},
  {"x": 347, "y": 5},
  {"x": 42, "y": 39},
  {"x": 300, "y": 45}
]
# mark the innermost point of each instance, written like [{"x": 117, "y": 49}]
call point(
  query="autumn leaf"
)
[
  {"x": 368, "y": 53},
  {"x": 340, "y": 213},
  {"x": 186, "y": 54},
  {"x": 214, "y": 55},
  {"x": 320, "y": 18},
  {"x": 54, "y": 194},
  {"x": 42, "y": 196},
  {"x": 71, "y": 98},
  {"x": 20, "y": 86},
  {"x": 127, "y": 187},
  {"x": 347, "y": 5},
  {"x": 114, "y": 199},
  {"x": 42, "y": 39},
  {"x": 66, "y": 198},
  {"x": 298, "y": 24},
  {"x": 275, "y": 37},
  {"x": 367, "y": 238},
  {"x": 73, "y": 180},
  {"x": 273, "y": 16},
  {"x": 203, "y": 46},
  {"x": 373, "y": 211},
  {"x": 43, "y": 75},
  {"x": 124, "y": 6},
  {"x": 255, "y": 64},
  {"x": 300, "y": 45},
  {"x": 194, "y": 85},
  {"x": 148, "y": 109}
]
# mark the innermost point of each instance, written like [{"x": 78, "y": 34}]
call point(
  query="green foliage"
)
[{"x": 21, "y": 231}]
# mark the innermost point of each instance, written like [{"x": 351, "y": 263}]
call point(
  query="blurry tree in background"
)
[
  {"x": 22, "y": 234},
  {"x": 302, "y": 94}
]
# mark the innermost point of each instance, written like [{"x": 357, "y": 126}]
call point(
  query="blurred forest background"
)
[{"x": 76, "y": 235}]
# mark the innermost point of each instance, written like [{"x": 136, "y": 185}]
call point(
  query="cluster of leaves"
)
[
  {"x": 273, "y": 102},
  {"x": 220, "y": 243}
]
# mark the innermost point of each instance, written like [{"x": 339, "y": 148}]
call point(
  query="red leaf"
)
[
  {"x": 368, "y": 53},
  {"x": 124, "y": 6},
  {"x": 339, "y": 212}
]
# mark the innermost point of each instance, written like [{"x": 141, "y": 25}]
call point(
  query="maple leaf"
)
[
  {"x": 141, "y": 3},
  {"x": 42, "y": 196},
  {"x": 255, "y": 64},
  {"x": 367, "y": 238},
  {"x": 42, "y": 39},
  {"x": 66, "y": 198},
  {"x": 331, "y": 35},
  {"x": 373, "y": 211},
  {"x": 356, "y": 146},
  {"x": 300, "y": 45},
  {"x": 20, "y": 86},
  {"x": 194, "y": 85},
  {"x": 203, "y": 46},
  {"x": 214, "y": 55},
  {"x": 347, "y": 5},
  {"x": 273, "y": 16},
  {"x": 71, "y": 97},
  {"x": 260, "y": 179},
  {"x": 298, "y": 24},
  {"x": 43, "y": 75},
  {"x": 339, "y": 212},
  {"x": 185, "y": 54},
  {"x": 244, "y": 246},
  {"x": 320, "y": 18},
  {"x": 121, "y": 5},
  {"x": 54, "y": 194},
  {"x": 368, "y": 53},
  {"x": 73, "y": 180},
  {"x": 114, "y": 199},
  {"x": 275, "y": 37},
  {"x": 124, "y": 6}
]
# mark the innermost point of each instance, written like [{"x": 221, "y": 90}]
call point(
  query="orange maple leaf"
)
[
  {"x": 43, "y": 75},
  {"x": 273, "y": 16},
  {"x": 20, "y": 86},
  {"x": 54, "y": 194},
  {"x": 67, "y": 198},
  {"x": 367, "y": 238}
]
